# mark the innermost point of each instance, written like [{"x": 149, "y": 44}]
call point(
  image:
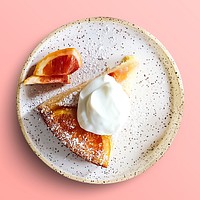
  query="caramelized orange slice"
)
[
  {"x": 121, "y": 74},
  {"x": 56, "y": 67},
  {"x": 47, "y": 79},
  {"x": 92, "y": 147}
]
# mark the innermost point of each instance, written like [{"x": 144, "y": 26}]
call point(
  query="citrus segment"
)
[
  {"x": 61, "y": 65},
  {"x": 56, "y": 67},
  {"x": 61, "y": 62},
  {"x": 47, "y": 79}
]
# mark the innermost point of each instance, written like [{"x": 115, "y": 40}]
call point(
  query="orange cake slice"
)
[{"x": 60, "y": 115}]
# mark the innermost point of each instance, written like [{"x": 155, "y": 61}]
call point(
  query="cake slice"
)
[{"x": 60, "y": 115}]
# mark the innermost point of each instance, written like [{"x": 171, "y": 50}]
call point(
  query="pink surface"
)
[{"x": 175, "y": 24}]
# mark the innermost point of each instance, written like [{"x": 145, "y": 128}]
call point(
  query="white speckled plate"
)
[{"x": 157, "y": 98}]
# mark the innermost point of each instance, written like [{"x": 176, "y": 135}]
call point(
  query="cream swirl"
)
[{"x": 103, "y": 106}]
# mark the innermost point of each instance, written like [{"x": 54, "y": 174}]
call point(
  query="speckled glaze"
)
[{"x": 157, "y": 98}]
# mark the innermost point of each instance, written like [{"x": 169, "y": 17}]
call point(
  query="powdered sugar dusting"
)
[
  {"x": 80, "y": 145},
  {"x": 71, "y": 100}
]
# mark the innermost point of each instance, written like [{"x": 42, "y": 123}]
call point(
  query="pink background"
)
[{"x": 25, "y": 23}]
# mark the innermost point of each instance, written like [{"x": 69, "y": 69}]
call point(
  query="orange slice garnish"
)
[
  {"x": 61, "y": 62},
  {"x": 56, "y": 67},
  {"x": 47, "y": 79}
]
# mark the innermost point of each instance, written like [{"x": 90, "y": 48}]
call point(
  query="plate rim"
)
[{"x": 173, "y": 131}]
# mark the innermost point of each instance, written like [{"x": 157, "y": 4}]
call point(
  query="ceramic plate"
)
[{"x": 156, "y": 98}]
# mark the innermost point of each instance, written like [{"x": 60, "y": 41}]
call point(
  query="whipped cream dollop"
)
[{"x": 103, "y": 106}]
